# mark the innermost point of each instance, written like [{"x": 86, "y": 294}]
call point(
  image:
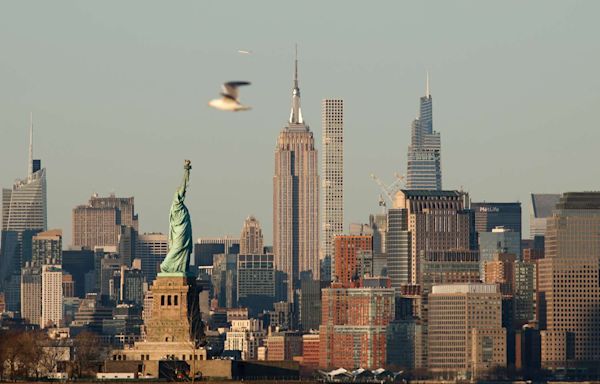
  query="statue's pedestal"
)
[
  {"x": 174, "y": 309},
  {"x": 174, "y": 329}
]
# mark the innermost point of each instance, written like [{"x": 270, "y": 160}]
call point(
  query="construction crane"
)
[{"x": 390, "y": 190}]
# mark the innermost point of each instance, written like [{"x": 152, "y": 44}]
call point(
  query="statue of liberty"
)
[{"x": 180, "y": 230}]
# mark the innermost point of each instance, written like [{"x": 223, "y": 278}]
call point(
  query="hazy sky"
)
[{"x": 119, "y": 92}]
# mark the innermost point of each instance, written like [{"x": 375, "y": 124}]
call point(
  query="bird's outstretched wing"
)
[{"x": 230, "y": 89}]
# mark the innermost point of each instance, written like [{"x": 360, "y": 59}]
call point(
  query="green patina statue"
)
[{"x": 180, "y": 230}]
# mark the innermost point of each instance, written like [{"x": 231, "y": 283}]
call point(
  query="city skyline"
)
[{"x": 123, "y": 118}]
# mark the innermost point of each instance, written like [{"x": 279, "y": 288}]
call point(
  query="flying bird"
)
[
  {"x": 244, "y": 52},
  {"x": 230, "y": 101}
]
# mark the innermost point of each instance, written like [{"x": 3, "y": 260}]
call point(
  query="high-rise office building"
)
[
  {"x": 24, "y": 213},
  {"x": 436, "y": 221},
  {"x": 491, "y": 215},
  {"x": 310, "y": 303},
  {"x": 98, "y": 223},
  {"x": 79, "y": 263},
  {"x": 347, "y": 252},
  {"x": 296, "y": 199},
  {"x": 256, "y": 282},
  {"x": 424, "y": 168},
  {"x": 569, "y": 283},
  {"x": 151, "y": 248},
  {"x": 224, "y": 280},
  {"x": 542, "y": 205},
  {"x": 24, "y": 206},
  {"x": 398, "y": 244},
  {"x": 207, "y": 247},
  {"x": 31, "y": 294},
  {"x": 466, "y": 337},
  {"x": 332, "y": 162},
  {"x": 46, "y": 248},
  {"x": 251, "y": 238},
  {"x": 52, "y": 296},
  {"x": 499, "y": 240}
]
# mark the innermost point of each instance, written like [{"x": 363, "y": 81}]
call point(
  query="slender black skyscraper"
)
[{"x": 424, "y": 170}]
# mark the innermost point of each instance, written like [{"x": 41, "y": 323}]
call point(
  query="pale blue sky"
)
[{"x": 119, "y": 91}]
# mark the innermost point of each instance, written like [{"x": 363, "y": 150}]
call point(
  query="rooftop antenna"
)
[{"x": 30, "y": 164}]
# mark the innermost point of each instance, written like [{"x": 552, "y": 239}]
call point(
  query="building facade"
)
[
  {"x": 296, "y": 199},
  {"x": 151, "y": 249},
  {"x": 98, "y": 223},
  {"x": 353, "y": 330},
  {"x": 332, "y": 162},
  {"x": 46, "y": 248},
  {"x": 256, "y": 282},
  {"x": 251, "y": 238},
  {"x": 466, "y": 336},
  {"x": 52, "y": 296},
  {"x": 424, "y": 168},
  {"x": 436, "y": 221},
  {"x": 491, "y": 215},
  {"x": 347, "y": 254},
  {"x": 542, "y": 205},
  {"x": 569, "y": 283}
]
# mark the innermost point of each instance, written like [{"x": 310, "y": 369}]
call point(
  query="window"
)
[
  {"x": 162, "y": 300},
  {"x": 169, "y": 300},
  {"x": 176, "y": 299}
]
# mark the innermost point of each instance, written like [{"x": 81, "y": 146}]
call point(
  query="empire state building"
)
[{"x": 296, "y": 199}]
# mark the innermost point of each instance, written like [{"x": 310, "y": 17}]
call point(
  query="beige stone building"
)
[
  {"x": 296, "y": 199},
  {"x": 466, "y": 337},
  {"x": 98, "y": 223},
  {"x": 251, "y": 238},
  {"x": 569, "y": 283}
]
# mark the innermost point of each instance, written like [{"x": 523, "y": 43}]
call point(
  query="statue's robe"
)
[{"x": 180, "y": 233}]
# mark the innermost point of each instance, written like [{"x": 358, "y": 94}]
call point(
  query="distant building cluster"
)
[{"x": 433, "y": 286}]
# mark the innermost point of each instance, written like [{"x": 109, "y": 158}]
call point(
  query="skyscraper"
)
[
  {"x": 25, "y": 206},
  {"x": 99, "y": 222},
  {"x": 296, "y": 199},
  {"x": 569, "y": 283},
  {"x": 353, "y": 327},
  {"x": 251, "y": 239},
  {"x": 424, "y": 169},
  {"x": 31, "y": 294},
  {"x": 332, "y": 121},
  {"x": 47, "y": 248},
  {"x": 151, "y": 248},
  {"x": 346, "y": 255},
  {"x": 542, "y": 205},
  {"x": 491, "y": 215},
  {"x": 24, "y": 213},
  {"x": 52, "y": 296},
  {"x": 436, "y": 220},
  {"x": 465, "y": 329}
]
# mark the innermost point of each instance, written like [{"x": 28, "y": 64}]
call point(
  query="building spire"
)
[
  {"x": 296, "y": 113},
  {"x": 30, "y": 163},
  {"x": 427, "y": 94}
]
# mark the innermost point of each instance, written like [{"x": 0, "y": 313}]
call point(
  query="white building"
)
[
  {"x": 245, "y": 336},
  {"x": 52, "y": 296}
]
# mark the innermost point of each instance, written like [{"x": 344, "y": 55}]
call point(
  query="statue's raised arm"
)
[{"x": 180, "y": 230}]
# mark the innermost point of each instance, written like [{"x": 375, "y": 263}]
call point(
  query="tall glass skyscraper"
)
[
  {"x": 24, "y": 213},
  {"x": 424, "y": 169},
  {"x": 296, "y": 199}
]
